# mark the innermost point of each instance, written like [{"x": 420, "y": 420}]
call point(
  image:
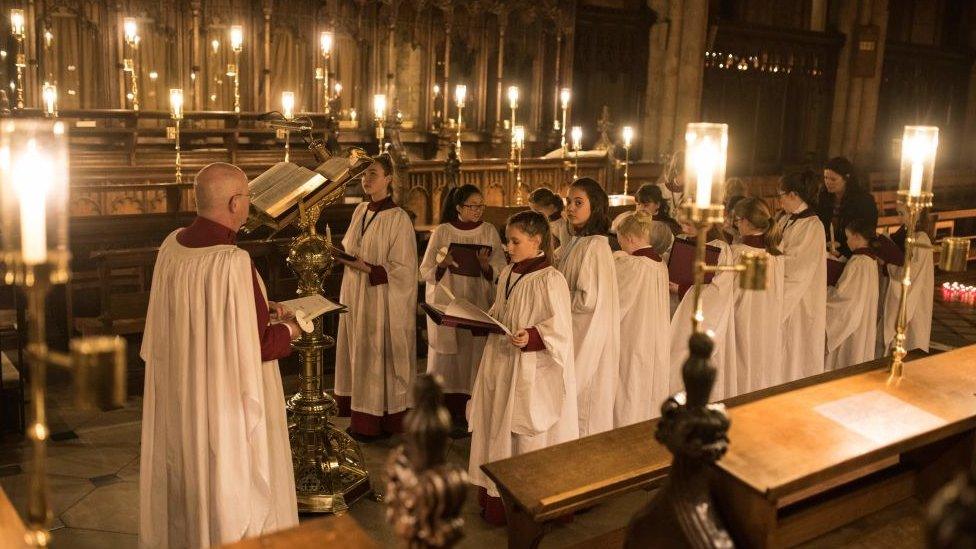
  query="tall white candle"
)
[
  {"x": 915, "y": 184},
  {"x": 32, "y": 177},
  {"x": 706, "y": 169}
]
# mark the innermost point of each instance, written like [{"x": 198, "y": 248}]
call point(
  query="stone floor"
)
[{"x": 94, "y": 474}]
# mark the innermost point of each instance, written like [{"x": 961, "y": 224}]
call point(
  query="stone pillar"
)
[
  {"x": 266, "y": 56},
  {"x": 856, "y": 97},
  {"x": 197, "y": 58},
  {"x": 674, "y": 75}
]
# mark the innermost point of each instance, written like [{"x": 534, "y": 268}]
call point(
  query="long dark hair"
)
[
  {"x": 599, "y": 221},
  {"x": 649, "y": 192},
  {"x": 455, "y": 198},
  {"x": 533, "y": 224},
  {"x": 546, "y": 197},
  {"x": 805, "y": 183},
  {"x": 845, "y": 168}
]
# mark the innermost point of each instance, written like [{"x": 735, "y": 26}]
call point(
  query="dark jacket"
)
[{"x": 854, "y": 205}]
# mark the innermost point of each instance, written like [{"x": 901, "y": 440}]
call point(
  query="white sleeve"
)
[{"x": 846, "y": 302}]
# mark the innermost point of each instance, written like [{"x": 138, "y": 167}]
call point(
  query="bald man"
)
[{"x": 216, "y": 462}]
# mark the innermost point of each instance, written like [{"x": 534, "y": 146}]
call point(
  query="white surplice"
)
[
  {"x": 216, "y": 462},
  {"x": 587, "y": 264},
  {"x": 759, "y": 327},
  {"x": 524, "y": 401},
  {"x": 804, "y": 249},
  {"x": 918, "y": 327},
  {"x": 376, "y": 347},
  {"x": 852, "y": 307},
  {"x": 644, "y": 342},
  {"x": 453, "y": 354},
  {"x": 717, "y": 304},
  {"x": 561, "y": 232}
]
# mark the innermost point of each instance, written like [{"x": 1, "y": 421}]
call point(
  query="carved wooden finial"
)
[{"x": 425, "y": 493}]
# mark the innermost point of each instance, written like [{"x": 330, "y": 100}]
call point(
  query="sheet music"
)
[
  {"x": 879, "y": 417},
  {"x": 461, "y": 308},
  {"x": 276, "y": 190},
  {"x": 307, "y": 309}
]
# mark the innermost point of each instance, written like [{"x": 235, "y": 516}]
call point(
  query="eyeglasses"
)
[{"x": 474, "y": 206}]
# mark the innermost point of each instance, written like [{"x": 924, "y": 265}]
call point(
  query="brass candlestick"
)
[
  {"x": 176, "y": 112},
  {"x": 129, "y": 65},
  {"x": 17, "y": 27},
  {"x": 237, "y": 46},
  {"x": 34, "y": 256},
  {"x": 460, "y": 93}
]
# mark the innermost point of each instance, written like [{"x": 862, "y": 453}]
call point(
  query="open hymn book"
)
[
  {"x": 275, "y": 193},
  {"x": 307, "y": 309},
  {"x": 461, "y": 313}
]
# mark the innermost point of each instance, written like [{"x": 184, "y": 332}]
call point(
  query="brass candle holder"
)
[
  {"x": 288, "y": 112},
  {"x": 49, "y": 95},
  {"x": 460, "y": 93},
  {"x": 564, "y": 96},
  {"x": 628, "y": 134},
  {"x": 18, "y": 29},
  {"x": 577, "y": 134},
  {"x": 919, "y": 146},
  {"x": 176, "y": 113},
  {"x": 379, "y": 118},
  {"x": 326, "y": 41},
  {"x": 34, "y": 256},
  {"x": 129, "y": 65},
  {"x": 518, "y": 145},
  {"x": 237, "y": 46}
]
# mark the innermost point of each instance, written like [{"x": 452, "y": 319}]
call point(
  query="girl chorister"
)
[
  {"x": 454, "y": 355},
  {"x": 644, "y": 310},
  {"x": 376, "y": 344},
  {"x": 852, "y": 305},
  {"x": 804, "y": 249},
  {"x": 717, "y": 300},
  {"x": 524, "y": 395},
  {"x": 758, "y": 313},
  {"x": 550, "y": 204},
  {"x": 650, "y": 199},
  {"x": 587, "y": 263}
]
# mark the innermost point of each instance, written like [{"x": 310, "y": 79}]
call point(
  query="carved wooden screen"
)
[{"x": 774, "y": 88}]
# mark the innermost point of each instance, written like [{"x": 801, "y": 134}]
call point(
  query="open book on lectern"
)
[{"x": 276, "y": 192}]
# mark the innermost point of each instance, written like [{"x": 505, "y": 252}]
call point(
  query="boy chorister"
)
[
  {"x": 452, "y": 354},
  {"x": 852, "y": 305},
  {"x": 918, "y": 325},
  {"x": 524, "y": 396},
  {"x": 644, "y": 310}
]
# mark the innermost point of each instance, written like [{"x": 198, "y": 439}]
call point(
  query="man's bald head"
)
[{"x": 221, "y": 192}]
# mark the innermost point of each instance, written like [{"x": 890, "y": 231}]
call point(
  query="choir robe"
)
[
  {"x": 453, "y": 354},
  {"x": 561, "y": 233},
  {"x": 215, "y": 463},
  {"x": 376, "y": 345},
  {"x": 804, "y": 256},
  {"x": 644, "y": 343},
  {"x": 717, "y": 304},
  {"x": 758, "y": 323},
  {"x": 524, "y": 399},
  {"x": 918, "y": 326},
  {"x": 852, "y": 307},
  {"x": 587, "y": 264}
]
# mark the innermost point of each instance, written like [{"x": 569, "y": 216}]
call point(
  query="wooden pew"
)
[
  {"x": 336, "y": 531},
  {"x": 540, "y": 486}
]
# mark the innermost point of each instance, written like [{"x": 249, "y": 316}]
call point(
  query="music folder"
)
[
  {"x": 681, "y": 264},
  {"x": 465, "y": 257},
  {"x": 835, "y": 268},
  {"x": 464, "y": 315}
]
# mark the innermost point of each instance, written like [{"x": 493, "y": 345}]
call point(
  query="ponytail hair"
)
[
  {"x": 385, "y": 161},
  {"x": 534, "y": 224},
  {"x": 806, "y": 184},
  {"x": 456, "y": 197},
  {"x": 545, "y": 197},
  {"x": 758, "y": 213}
]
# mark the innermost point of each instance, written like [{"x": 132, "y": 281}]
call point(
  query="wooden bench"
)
[
  {"x": 336, "y": 531},
  {"x": 539, "y": 486}
]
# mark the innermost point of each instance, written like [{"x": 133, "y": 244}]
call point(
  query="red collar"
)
[
  {"x": 865, "y": 251},
  {"x": 530, "y": 265},
  {"x": 380, "y": 205},
  {"x": 555, "y": 216},
  {"x": 754, "y": 240},
  {"x": 465, "y": 225},
  {"x": 205, "y": 232},
  {"x": 647, "y": 252}
]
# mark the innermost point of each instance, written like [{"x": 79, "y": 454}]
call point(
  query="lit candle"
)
[
  {"x": 577, "y": 134},
  {"x": 919, "y": 145},
  {"x": 564, "y": 97},
  {"x": 352, "y": 114},
  {"x": 32, "y": 176},
  {"x": 48, "y": 37},
  {"x": 706, "y": 167},
  {"x": 17, "y": 22},
  {"x": 176, "y": 103},
  {"x": 130, "y": 28},
  {"x": 338, "y": 89},
  {"x": 437, "y": 90},
  {"x": 236, "y": 37},
  {"x": 628, "y": 134},
  {"x": 288, "y": 104},
  {"x": 460, "y": 92},
  {"x": 513, "y": 96},
  {"x": 518, "y": 136},
  {"x": 215, "y": 45},
  {"x": 325, "y": 42},
  {"x": 705, "y": 150},
  {"x": 49, "y": 93},
  {"x": 379, "y": 106}
]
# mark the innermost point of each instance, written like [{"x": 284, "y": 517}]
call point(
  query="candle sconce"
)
[
  {"x": 515, "y": 164},
  {"x": 628, "y": 135},
  {"x": 130, "y": 34},
  {"x": 577, "y": 134},
  {"x": 288, "y": 112},
  {"x": 18, "y": 29},
  {"x": 564, "y": 96},
  {"x": 34, "y": 256},
  {"x": 176, "y": 113},
  {"x": 379, "y": 118},
  {"x": 460, "y": 93},
  {"x": 234, "y": 69}
]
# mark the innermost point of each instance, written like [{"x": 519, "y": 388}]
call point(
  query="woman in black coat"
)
[{"x": 842, "y": 199}]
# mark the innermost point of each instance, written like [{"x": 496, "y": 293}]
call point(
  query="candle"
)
[
  {"x": 564, "y": 97},
  {"x": 628, "y": 134},
  {"x": 352, "y": 114},
  {"x": 215, "y": 45},
  {"x": 288, "y": 104},
  {"x": 49, "y": 94},
  {"x": 460, "y": 92},
  {"x": 176, "y": 103},
  {"x": 379, "y": 106},
  {"x": 236, "y": 37},
  {"x": 513, "y": 96},
  {"x": 705, "y": 164},
  {"x": 338, "y": 89},
  {"x": 577, "y": 134},
  {"x": 129, "y": 29},
  {"x": 325, "y": 42},
  {"x": 32, "y": 176},
  {"x": 17, "y": 22},
  {"x": 518, "y": 136}
]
